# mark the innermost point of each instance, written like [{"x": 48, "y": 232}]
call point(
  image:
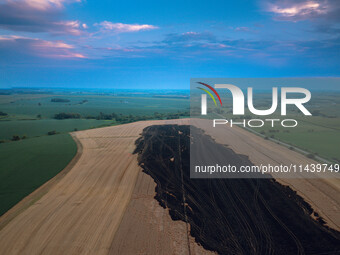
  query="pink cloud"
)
[
  {"x": 38, "y": 16},
  {"x": 69, "y": 27},
  {"x": 51, "y": 44},
  {"x": 123, "y": 28},
  {"x": 38, "y": 47},
  {"x": 68, "y": 55},
  {"x": 9, "y": 37},
  {"x": 55, "y": 49},
  {"x": 44, "y": 5},
  {"x": 294, "y": 11}
]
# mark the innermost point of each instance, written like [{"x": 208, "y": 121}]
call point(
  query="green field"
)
[
  {"x": 19, "y": 107},
  {"x": 318, "y": 134},
  {"x": 309, "y": 136},
  {"x": 33, "y": 128},
  {"x": 27, "y": 164}
]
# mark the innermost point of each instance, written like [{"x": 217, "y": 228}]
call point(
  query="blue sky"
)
[{"x": 162, "y": 44}]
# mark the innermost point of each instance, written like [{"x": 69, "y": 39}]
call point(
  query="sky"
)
[{"x": 162, "y": 44}]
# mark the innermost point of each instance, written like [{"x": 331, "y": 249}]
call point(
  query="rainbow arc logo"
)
[{"x": 209, "y": 93}]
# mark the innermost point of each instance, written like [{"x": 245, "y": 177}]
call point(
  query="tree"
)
[
  {"x": 53, "y": 132},
  {"x": 60, "y": 100},
  {"x": 63, "y": 115},
  {"x": 15, "y": 138}
]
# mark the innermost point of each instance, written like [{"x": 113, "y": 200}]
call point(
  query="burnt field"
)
[{"x": 230, "y": 216}]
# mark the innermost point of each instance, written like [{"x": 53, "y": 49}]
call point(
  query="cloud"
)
[
  {"x": 331, "y": 29},
  {"x": 67, "y": 27},
  {"x": 297, "y": 10},
  {"x": 324, "y": 15},
  {"x": 22, "y": 46},
  {"x": 242, "y": 29},
  {"x": 124, "y": 28},
  {"x": 40, "y": 5},
  {"x": 37, "y": 16},
  {"x": 188, "y": 37},
  {"x": 50, "y": 44},
  {"x": 205, "y": 46},
  {"x": 215, "y": 46}
]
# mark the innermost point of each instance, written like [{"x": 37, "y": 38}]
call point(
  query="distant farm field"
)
[
  {"x": 19, "y": 107},
  {"x": 315, "y": 136},
  {"x": 27, "y": 164},
  {"x": 33, "y": 128}
]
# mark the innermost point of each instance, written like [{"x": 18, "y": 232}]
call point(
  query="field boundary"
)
[{"x": 37, "y": 194}]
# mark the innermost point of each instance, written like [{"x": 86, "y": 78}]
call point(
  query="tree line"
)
[{"x": 121, "y": 118}]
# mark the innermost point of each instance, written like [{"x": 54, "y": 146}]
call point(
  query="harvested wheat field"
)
[
  {"x": 105, "y": 204},
  {"x": 81, "y": 213}
]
